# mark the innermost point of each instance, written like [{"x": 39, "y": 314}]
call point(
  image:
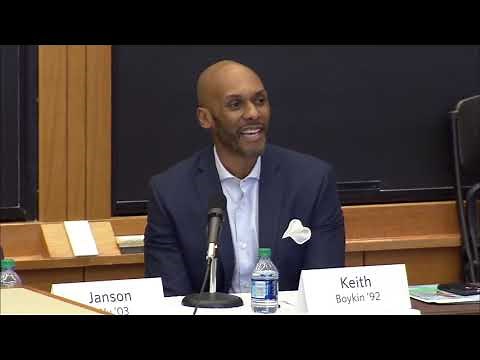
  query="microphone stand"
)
[
  {"x": 213, "y": 277},
  {"x": 212, "y": 299}
]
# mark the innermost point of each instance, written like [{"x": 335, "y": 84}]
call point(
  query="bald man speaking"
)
[{"x": 267, "y": 189}]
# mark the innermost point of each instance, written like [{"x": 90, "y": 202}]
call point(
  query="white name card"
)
[
  {"x": 119, "y": 297},
  {"x": 81, "y": 238},
  {"x": 379, "y": 289}
]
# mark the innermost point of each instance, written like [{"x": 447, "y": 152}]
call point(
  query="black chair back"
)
[{"x": 466, "y": 151}]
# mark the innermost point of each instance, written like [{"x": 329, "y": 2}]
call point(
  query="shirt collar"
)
[{"x": 225, "y": 174}]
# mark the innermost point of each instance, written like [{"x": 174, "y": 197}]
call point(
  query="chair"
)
[
  {"x": 473, "y": 224},
  {"x": 465, "y": 126}
]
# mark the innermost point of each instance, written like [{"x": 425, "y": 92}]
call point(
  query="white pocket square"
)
[{"x": 299, "y": 233}]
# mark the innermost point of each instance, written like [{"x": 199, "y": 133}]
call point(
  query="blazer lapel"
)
[
  {"x": 271, "y": 192},
  {"x": 208, "y": 183}
]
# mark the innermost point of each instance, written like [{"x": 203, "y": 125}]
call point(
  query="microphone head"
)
[{"x": 217, "y": 203}]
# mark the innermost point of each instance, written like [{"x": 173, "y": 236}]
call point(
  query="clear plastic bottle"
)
[
  {"x": 264, "y": 291},
  {"x": 9, "y": 278}
]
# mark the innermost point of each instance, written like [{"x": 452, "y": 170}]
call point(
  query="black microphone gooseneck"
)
[{"x": 216, "y": 213}]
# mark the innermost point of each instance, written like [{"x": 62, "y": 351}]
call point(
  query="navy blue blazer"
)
[{"x": 292, "y": 186}]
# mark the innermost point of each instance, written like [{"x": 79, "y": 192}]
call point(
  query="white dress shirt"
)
[{"x": 242, "y": 208}]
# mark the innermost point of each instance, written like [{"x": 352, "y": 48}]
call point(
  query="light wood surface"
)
[
  {"x": 430, "y": 257},
  {"x": 58, "y": 245},
  {"x": 22, "y": 240},
  {"x": 28, "y": 301},
  {"x": 43, "y": 278},
  {"x": 105, "y": 238},
  {"x": 42, "y": 273},
  {"x": 404, "y": 242},
  {"x": 392, "y": 220},
  {"x": 354, "y": 259},
  {"x": 56, "y": 241},
  {"x": 128, "y": 225},
  {"x": 424, "y": 266},
  {"x": 37, "y": 263},
  {"x": 76, "y": 132},
  {"x": 127, "y": 271},
  {"x": 52, "y": 129},
  {"x": 446, "y": 309},
  {"x": 98, "y": 126}
]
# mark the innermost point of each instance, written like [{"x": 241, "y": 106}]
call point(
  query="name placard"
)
[
  {"x": 119, "y": 297},
  {"x": 354, "y": 290},
  {"x": 81, "y": 238}
]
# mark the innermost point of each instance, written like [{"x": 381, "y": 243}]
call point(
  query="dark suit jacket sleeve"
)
[
  {"x": 163, "y": 257},
  {"x": 326, "y": 247}
]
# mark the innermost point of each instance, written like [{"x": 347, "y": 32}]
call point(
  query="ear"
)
[{"x": 204, "y": 118}]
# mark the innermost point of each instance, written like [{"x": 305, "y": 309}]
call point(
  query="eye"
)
[
  {"x": 234, "y": 104},
  {"x": 260, "y": 100}
]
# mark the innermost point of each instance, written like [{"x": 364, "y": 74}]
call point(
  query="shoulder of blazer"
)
[
  {"x": 183, "y": 169},
  {"x": 293, "y": 161}
]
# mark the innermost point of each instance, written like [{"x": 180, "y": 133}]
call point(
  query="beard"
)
[{"x": 231, "y": 139}]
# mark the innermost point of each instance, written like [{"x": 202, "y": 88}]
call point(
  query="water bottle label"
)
[
  {"x": 264, "y": 289},
  {"x": 8, "y": 279}
]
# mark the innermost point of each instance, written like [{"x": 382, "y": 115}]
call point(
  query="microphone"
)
[{"x": 216, "y": 211}]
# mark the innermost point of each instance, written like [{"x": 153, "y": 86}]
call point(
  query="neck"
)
[{"x": 238, "y": 165}]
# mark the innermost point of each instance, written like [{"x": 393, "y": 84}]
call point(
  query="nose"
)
[{"x": 251, "y": 111}]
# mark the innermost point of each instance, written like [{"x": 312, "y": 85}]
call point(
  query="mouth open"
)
[{"x": 252, "y": 133}]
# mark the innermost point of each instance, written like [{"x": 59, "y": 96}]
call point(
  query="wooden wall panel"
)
[
  {"x": 105, "y": 238},
  {"x": 44, "y": 278},
  {"x": 76, "y": 132},
  {"x": 52, "y": 111},
  {"x": 403, "y": 242},
  {"x": 117, "y": 272},
  {"x": 424, "y": 266},
  {"x": 98, "y": 126},
  {"x": 22, "y": 241},
  {"x": 55, "y": 240},
  {"x": 129, "y": 225},
  {"x": 391, "y": 220},
  {"x": 354, "y": 259}
]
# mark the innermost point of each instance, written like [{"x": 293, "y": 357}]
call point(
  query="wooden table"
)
[
  {"x": 28, "y": 301},
  {"x": 446, "y": 309}
]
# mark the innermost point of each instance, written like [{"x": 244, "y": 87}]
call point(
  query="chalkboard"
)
[
  {"x": 18, "y": 132},
  {"x": 378, "y": 114}
]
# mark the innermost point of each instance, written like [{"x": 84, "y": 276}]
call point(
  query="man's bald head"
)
[
  {"x": 211, "y": 80},
  {"x": 234, "y": 105}
]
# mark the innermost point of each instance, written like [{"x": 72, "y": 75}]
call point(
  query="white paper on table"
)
[{"x": 81, "y": 238}]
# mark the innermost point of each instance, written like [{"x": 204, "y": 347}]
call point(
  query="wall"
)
[
  {"x": 74, "y": 132},
  {"x": 75, "y": 176}
]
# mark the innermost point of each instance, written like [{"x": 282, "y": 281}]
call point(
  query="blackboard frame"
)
[{"x": 19, "y": 132}]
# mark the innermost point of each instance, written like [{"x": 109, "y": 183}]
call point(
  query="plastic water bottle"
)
[
  {"x": 264, "y": 291},
  {"x": 9, "y": 278}
]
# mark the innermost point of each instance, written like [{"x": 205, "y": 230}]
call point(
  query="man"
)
[{"x": 266, "y": 188}]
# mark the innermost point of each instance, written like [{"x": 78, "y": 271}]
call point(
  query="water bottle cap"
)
[
  {"x": 264, "y": 252},
  {"x": 8, "y": 263}
]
